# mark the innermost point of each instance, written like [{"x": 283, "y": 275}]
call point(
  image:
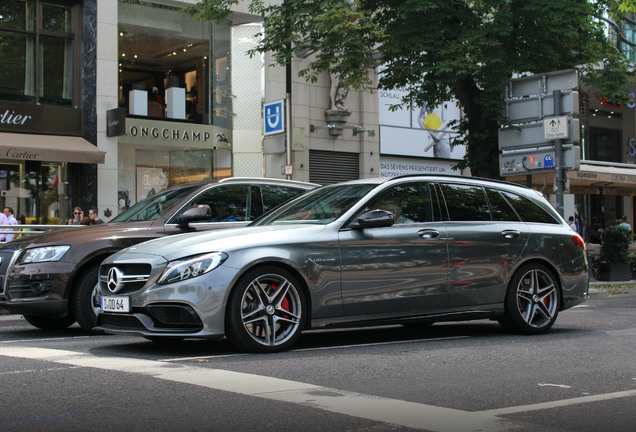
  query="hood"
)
[
  {"x": 181, "y": 245},
  {"x": 64, "y": 236}
]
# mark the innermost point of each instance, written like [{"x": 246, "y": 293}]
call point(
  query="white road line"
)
[
  {"x": 216, "y": 356},
  {"x": 561, "y": 403},
  {"x": 409, "y": 414}
]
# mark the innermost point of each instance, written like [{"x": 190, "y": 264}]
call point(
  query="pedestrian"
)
[
  {"x": 92, "y": 213},
  {"x": 3, "y": 221},
  {"x": 77, "y": 216},
  {"x": 11, "y": 220},
  {"x": 572, "y": 223},
  {"x": 623, "y": 223},
  {"x": 22, "y": 221}
]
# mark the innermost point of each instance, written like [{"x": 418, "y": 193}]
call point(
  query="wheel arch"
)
[
  {"x": 95, "y": 260},
  {"x": 553, "y": 270},
  {"x": 304, "y": 284}
]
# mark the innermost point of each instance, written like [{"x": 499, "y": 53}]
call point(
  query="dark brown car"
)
[{"x": 51, "y": 278}]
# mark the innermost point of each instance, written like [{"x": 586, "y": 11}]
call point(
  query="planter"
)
[{"x": 615, "y": 272}]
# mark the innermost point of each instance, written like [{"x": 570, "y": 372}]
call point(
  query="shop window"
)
[
  {"x": 38, "y": 59},
  {"x": 165, "y": 66}
]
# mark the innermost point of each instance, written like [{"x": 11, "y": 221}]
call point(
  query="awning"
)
[
  {"x": 48, "y": 148},
  {"x": 589, "y": 179}
]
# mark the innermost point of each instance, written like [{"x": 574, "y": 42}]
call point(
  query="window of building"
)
[
  {"x": 178, "y": 66},
  {"x": 38, "y": 51}
]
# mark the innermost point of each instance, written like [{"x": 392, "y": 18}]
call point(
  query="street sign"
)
[
  {"x": 534, "y": 108},
  {"x": 542, "y": 84},
  {"x": 533, "y": 135},
  {"x": 537, "y": 161},
  {"x": 274, "y": 115},
  {"x": 555, "y": 128}
]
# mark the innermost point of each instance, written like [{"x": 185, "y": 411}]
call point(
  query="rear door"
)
[{"x": 485, "y": 238}]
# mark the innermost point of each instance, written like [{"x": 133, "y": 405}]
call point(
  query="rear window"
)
[{"x": 529, "y": 210}]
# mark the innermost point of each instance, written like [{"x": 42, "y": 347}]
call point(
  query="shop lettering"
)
[
  {"x": 585, "y": 175},
  {"x": 13, "y": 118},
  {"x": 632, "y": 145},
  {"x": 168, "y": 134},
  {"x": 14, "y": 153}
]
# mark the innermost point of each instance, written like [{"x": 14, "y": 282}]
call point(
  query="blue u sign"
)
[{"x": 273, "y": 113}]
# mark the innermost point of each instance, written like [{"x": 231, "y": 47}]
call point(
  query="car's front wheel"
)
[
  {"x": 532, "y": 301},
  {"x": 266, "y": 311},
  {"x": 49, "y": 323},
  {"x": 85, "y": 301}
]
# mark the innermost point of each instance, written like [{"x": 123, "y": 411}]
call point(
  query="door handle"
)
[
  {"x": 510, "y": 234},
  {"x": 428, "y": 233}
]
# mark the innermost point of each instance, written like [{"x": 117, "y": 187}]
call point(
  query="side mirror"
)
[
  {"x": 373, "y": 219},
  {"x": 197, "y": 213}
]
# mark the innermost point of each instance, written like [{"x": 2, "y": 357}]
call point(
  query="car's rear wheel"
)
[
  {"x": 532, "y": 301},
  {"x": 49, "y": 323},
  {"x": 266, "y": 311},
  {"x": 85, "y": 301}
]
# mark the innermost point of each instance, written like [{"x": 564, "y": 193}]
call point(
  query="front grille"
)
[
  {"x": 174, "y": 316},
  {"x": 134, "y": 277},
  {"x": 120, "y": 321},
  {"x": 7, "y": 255}
]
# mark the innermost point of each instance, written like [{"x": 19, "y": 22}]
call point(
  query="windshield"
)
[
  {"x": 154, "y": 206},
  {"x": 321, "y": 206}
]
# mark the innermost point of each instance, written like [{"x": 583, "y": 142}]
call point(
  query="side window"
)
[
  {"x": 465, "y": 203},
  {"x": 410, "y": 203},
  {"x": 229, "y": 203},
  {"x": 529, "y": 210},
  {"x": 499, "y": 207},
  {"x": 275, "y": 195}
]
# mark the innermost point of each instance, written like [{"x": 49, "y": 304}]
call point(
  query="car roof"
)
[{"x": 249, "y": 180}]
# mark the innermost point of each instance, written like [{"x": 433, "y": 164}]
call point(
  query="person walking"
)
[
  {"x": 95, "y": 220},
  {"x": 77, "y": 216},
  {"x": 11, "y": 220}
]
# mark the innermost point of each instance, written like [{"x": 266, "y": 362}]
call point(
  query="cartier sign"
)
[{"x": 40, "y": 119}]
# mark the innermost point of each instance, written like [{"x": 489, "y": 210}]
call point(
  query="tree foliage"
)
[{"x": 443, "y": 49}]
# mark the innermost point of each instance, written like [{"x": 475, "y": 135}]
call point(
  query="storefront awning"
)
[
  {"x": 31, "y": 147},
  {"x": 589, "y": 179}
]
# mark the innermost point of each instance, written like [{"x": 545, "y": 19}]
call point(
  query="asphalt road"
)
[{"x": 452, "y": 377}]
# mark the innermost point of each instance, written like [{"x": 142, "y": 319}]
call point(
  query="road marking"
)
[
  {"x": 394, "y": 411},
  {"x": 372, "y": 344}
]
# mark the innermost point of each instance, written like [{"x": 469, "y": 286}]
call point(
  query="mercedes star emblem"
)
[{"x": 114, "y": 278}]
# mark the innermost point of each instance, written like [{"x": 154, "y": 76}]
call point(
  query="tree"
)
[{"x": 443, "y": 49}]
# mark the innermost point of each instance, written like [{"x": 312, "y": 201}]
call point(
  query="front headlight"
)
[
  {"x": 190, "y": 267},
  {"x": 44, "y": 254}
]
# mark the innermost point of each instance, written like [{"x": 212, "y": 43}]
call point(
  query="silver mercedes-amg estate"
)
[{"x": 411, "y": 250}]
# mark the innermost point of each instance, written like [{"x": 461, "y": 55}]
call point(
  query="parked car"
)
[
  {"x": 412, "y": 249},
  {"x": 51, "y": 278}
]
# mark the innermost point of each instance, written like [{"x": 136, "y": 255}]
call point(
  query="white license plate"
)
[{"x": 115, "y": 304}]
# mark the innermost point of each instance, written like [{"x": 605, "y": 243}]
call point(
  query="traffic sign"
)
[
  {"x": 555, "y": 128},
  {"x": 534, "y": 108},
  {"x": 536, "y": 161},
  {"x": 274, "y": 115},
  {"x": 543, "y": 83},
  {"x": 533, "y": 135}
]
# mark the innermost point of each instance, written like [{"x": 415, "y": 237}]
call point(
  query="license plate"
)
[{"x": 115, "y": 304}]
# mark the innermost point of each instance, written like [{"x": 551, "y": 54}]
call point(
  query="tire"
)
[
  {"x": 532, "y": 301},
  {"x": 266, "y": 311},
  {"x": 49, "y": 323},
  {"x": 84, "y": 300}
]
